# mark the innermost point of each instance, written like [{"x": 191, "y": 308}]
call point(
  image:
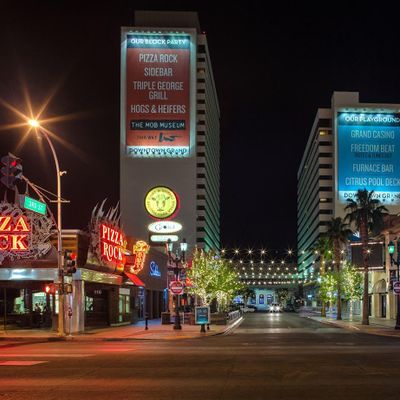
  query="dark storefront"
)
[{"x": 154, "y": 276}]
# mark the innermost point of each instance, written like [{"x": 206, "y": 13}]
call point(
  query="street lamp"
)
[
  {"x": 176, "y": 263},
  {"x": 36, "y": 125},
  {"x": 391, "y": 248}
]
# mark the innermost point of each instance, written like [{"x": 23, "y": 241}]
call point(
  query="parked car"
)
[
  {"x": 249, "y": 308},
  {"x": 275, "y": 308},
  {"x": 289, "y": 308}
]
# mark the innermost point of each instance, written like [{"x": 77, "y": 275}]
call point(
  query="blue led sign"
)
[
  {"x": 154, "y": 269},
  {"x": 369, "y": 155}
]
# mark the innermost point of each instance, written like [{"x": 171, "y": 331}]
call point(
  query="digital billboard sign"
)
[
  {"x": 368, "y": 153},
  {"x": 157, "y": 94}
]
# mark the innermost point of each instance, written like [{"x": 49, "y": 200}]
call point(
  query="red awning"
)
[{"x": 134, "y": 279}]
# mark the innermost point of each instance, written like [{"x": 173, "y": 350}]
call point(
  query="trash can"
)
[{"x": 165, "y": 318}]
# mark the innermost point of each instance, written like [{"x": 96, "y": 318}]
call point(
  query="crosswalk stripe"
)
[
  {"x": 45, "y": 355},
  {"x": 20, "y": 363}
]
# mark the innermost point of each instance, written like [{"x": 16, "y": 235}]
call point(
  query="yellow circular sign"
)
[{"x": 161, "y": 202}]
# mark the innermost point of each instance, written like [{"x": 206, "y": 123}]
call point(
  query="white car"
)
[
  {"x": 275, "y": 308},
  {"x": 248, "y": 309}
]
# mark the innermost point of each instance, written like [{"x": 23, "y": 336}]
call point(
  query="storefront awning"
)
[{"x": 134, "y": 279}]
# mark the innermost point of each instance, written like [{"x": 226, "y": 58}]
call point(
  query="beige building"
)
[{"x": 352, "y": 145}]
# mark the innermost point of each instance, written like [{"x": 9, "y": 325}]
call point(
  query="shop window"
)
[
  {"x": 88, "y": 303},
  {"x": 124, "y": 308},
  {"x": 19, "y": 304},
  {"x": 39, "y": 300}
]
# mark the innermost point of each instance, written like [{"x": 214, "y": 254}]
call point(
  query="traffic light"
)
[
  {"x": 50, "y": 288},
  {"x": 11, "y": 170},
  {"x": 69, "y": 262}
]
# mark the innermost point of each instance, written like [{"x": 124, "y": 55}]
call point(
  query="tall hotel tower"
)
[
  {"x": 351, "y": 146},
  {"x": 170, "y": 131}
]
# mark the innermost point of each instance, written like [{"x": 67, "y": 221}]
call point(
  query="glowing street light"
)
[{"x": 34, "y": 123}]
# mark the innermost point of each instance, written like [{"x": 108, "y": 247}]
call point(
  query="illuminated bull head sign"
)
[{"x": 161, "y": 202}]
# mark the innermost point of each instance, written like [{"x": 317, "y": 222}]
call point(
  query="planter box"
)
[
  {"x": 219, "y": 318},
  {"x": 165, "y": 318}
]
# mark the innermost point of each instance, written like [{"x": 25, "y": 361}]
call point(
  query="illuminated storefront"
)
[
  {"x": 28, "y": 263},
  {"x": 106, "y": 291}
]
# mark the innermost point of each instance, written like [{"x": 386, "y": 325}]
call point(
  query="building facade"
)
[
  {"x": 170, "y": 135},
  {"x": 352, "y": 145},
  {"x": 314, "y": 190}
]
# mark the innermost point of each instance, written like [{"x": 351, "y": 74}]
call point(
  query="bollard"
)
[
  {"x": 146, "y": 322},
  {"x": 70, "y": 321}
]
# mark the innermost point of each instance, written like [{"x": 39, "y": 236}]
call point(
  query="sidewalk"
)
[
  {"x": 377, "y": 326},
  {"x": 155, "y": 331}
]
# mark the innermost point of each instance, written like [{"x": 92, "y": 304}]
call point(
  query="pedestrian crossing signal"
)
[{"x": 50, "y": 288}]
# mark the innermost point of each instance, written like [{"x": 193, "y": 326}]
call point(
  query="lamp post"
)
[
  {"x": 176, "y": 263},
  {"x": 391, "y": 249},
  {"x": 36, "y": 125}
]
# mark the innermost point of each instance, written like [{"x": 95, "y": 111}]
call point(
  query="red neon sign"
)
[
  {"x": 112, "y": 245},
  {"x": 140, "y": 249},
  {"x": 14, "y": 233}
]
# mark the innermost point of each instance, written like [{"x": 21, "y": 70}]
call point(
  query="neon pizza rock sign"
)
[
  {"x": 112, "y": 245},
  {"x": 14, "y": 233}
]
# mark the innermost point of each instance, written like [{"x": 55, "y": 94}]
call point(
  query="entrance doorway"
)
[{"x": 96, "y": 306}]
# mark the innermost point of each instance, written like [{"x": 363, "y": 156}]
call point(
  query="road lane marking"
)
[
  {"x": 20, "y": 363},
  {"x": 45, "y": 355}
]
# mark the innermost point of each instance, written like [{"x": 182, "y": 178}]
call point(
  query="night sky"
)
[{"x": 272, "y": 71}]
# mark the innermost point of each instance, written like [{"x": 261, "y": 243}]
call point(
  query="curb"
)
[
  {"x": 332, "y": 323},
  {"x": 231, "y": 327},
  {"x": 78, "y": 338},
  {"x": 353, "y": 328}
]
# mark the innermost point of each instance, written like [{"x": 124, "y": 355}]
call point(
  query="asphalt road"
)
[{"x": 270, "y": 356}]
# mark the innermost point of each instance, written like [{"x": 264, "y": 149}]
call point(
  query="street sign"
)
[
  {"x": 33, "y": 205},
  {"x": 202, "y": 315},
  {"x": 396, "y": 287},
  {"x": 176, "y": 287}
]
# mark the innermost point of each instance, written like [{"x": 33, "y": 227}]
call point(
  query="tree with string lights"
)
[
  {"x": 352, "y": 283},
  {"x": 327, "y": 288},
  {"x": 323, "y": 249},
  {"x": 213, "y": 279},
  {"x": 338, "y": 233}
]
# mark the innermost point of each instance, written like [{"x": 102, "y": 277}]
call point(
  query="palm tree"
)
[
  {"x": 323, "y": 248},
  {"x": 366, "y": 214},
  {"x": 338, "y": 233}
]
